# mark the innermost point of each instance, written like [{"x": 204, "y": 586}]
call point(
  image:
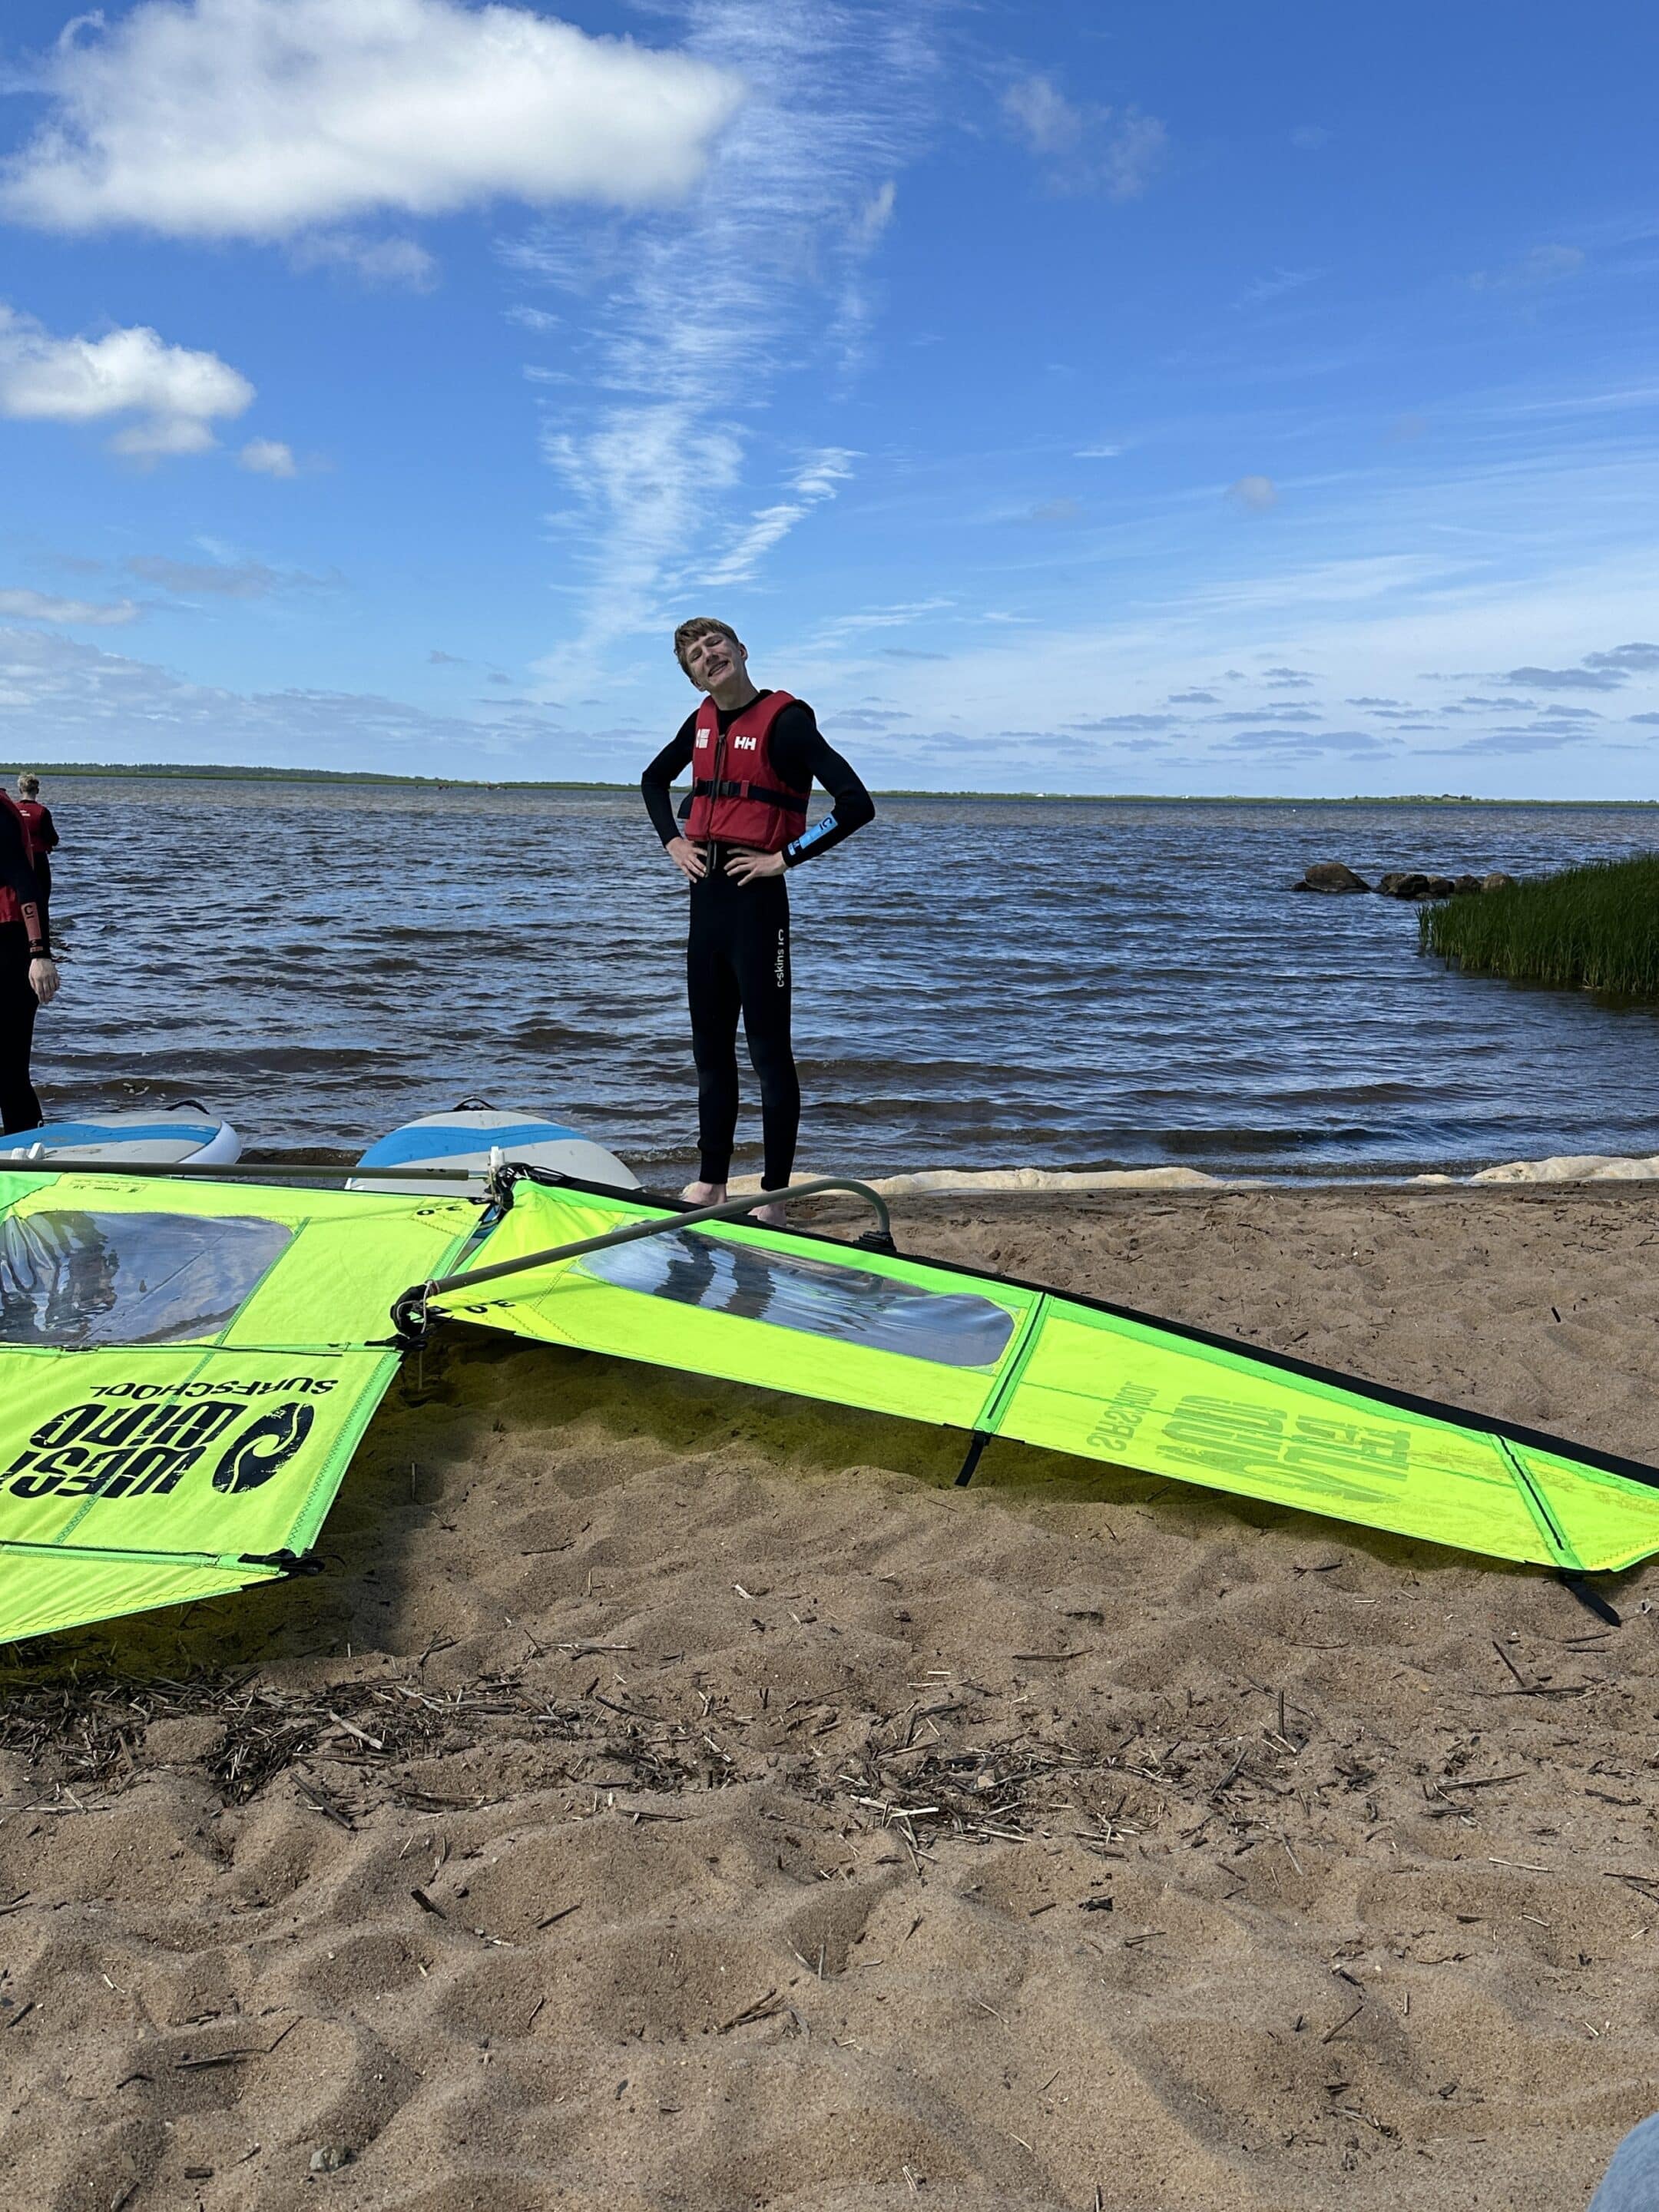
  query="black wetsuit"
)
[
  {"x": 43, "y": 835},
  {"x": 737, "y": 953},
  {"x": 19, "y": 1107}
]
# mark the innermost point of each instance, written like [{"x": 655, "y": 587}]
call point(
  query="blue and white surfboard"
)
[
  {"x": 185, "y": 1136},
  {"x": 465, "y": 1137}
]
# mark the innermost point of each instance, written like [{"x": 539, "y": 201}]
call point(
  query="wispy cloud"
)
[
  {"x": 1544, "y": 265},
  {"x": 268, "y": 457},
  {"x": 393, "y": 265},
  {"x": 687, "y": 326},
  {"x": 1283, "y": 281},
  {"x": 1565, "y": 679},
  {"x": 1084, "y": 146},
  {"x": 40, "y": 606},
  {"x": 1124, "y": 725},
  {"x": 224, "y": 579},
  {"x": 82, "y": 703},
  {"x": 840, "y": 629},
  {"x": 1255, "y": 495},
  {"x": 820, "y": 479}
]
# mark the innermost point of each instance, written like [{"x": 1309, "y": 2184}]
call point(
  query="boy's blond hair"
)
[{"x": 701, "y": 626}]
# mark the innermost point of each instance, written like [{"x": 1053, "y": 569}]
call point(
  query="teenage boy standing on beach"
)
[{"x": 754, "y": 755}]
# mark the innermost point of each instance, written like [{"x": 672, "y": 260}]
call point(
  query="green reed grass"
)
[{"x": 1594, "y": 928}]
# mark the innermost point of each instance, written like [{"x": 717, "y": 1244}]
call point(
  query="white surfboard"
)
[
  {"x": 183, "y": 1135},
  {"x": 463, "y": 1138}
]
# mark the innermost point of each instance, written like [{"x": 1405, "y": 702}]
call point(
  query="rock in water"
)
[
  {"x": 1331, "y": 878},
  {"x": 1464, "y": 885},
  {"x": 1404, "y": 886},
  {"x": 1499, "y": 882}
]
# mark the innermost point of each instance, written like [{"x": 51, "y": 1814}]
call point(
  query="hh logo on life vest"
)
[
  {"x": 145, "y": 1451},
  {"x": 745, "y": 744}
]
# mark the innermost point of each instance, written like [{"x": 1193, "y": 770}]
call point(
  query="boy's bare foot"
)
[
  {"x": 770, "y": 1217},
  {"x": 704, "y": 1193}
]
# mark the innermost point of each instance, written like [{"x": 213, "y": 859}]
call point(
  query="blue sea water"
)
[{"x": 979, "y": 982}]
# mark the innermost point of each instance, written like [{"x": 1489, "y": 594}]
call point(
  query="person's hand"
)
[
  {"x": 688, "y": 858},
  {"x": 746, "y": 866},
  {"x": 43, "y": 979}
]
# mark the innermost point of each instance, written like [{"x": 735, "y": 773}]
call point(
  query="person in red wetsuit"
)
[
  {"x": 28, "y": 974},
  {"x": 754, "y": 757},
  {"x": 43, "y": 831}
]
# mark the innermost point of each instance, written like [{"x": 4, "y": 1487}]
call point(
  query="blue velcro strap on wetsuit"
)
[{"x": 804, "y": 844}]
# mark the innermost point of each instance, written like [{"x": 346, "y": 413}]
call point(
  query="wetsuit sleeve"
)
[
  {"x": 802, "y": 756},
  {"x": 654, "y": 783},
  {"x": 17, "y": 874},
  {"x": 46, "y": 831}
]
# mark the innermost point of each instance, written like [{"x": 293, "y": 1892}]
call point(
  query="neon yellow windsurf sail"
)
[
  {"x": 978, "y": 1352},
  {"x": 185, "y": 1368}
]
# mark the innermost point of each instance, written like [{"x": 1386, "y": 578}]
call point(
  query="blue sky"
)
[{"x": 1138, "y": 397}]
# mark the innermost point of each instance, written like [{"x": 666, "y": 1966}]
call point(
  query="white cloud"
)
[
  {"x": 1099, "y": 452},
  {"x": 263, "y": 118},
  {"x": 1045, "y": 118},
  {"x": 227, "y": 579},
  {"x": 77, "y": 700},
  {"x": 1544, "y": 265},
  {"x": 873, "y": 217},
  {"x": 267, "y": 456},
  {"x": 824, "y": 473},
  {"x": 1283, "y": 281},
  {"x": 695, "y": 317},
  {"x": 392, "y": 264},
  {"x": 1255, "y": 495},
  {"x": 1085, "y": 149},
  {"x": 37, "y": 606},
  {"x": 820, "y": 478},
  {"x": 173, "y": 395}
]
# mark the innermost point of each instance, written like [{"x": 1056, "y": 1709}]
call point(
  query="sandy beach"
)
[{"x": 678, "y": 1796}]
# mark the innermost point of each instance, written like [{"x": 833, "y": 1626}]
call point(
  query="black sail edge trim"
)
[{"x": 1405, "y": 1402}]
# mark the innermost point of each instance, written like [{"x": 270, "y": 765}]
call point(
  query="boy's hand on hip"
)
[
  {"x": 688, "y": 858},
  {"x": 746, "y": 866}
]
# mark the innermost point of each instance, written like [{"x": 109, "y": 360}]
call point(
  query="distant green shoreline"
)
[{"x": 173, "y": 771}]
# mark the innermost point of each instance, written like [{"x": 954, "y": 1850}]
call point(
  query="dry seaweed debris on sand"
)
[
  {"x": 960, "y": 1764},
  {"x": 94, "y": 1733}
]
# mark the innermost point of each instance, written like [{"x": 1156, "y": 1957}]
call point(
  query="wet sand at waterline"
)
[{"x": 675, "y": 1795}]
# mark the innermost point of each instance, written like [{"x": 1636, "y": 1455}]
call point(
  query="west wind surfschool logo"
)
[{"x": 146, "y": 1449}]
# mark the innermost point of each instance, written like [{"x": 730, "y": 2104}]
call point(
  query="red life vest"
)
[
  {"x": 736, "y": 796},
  {"x": 34, "y": 815},
  {"x": 10, "y": 910}
]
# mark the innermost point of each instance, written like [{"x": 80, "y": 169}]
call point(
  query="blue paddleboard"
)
[
  {"x": 463, "y": 1138},
  {"x": 185, "y": 1136}
]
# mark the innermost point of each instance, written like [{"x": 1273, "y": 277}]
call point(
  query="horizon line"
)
[{"x": 233, "y": 772}]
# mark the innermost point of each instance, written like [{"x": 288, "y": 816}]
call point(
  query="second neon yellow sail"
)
[{"x": 976, "y": 1353}]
